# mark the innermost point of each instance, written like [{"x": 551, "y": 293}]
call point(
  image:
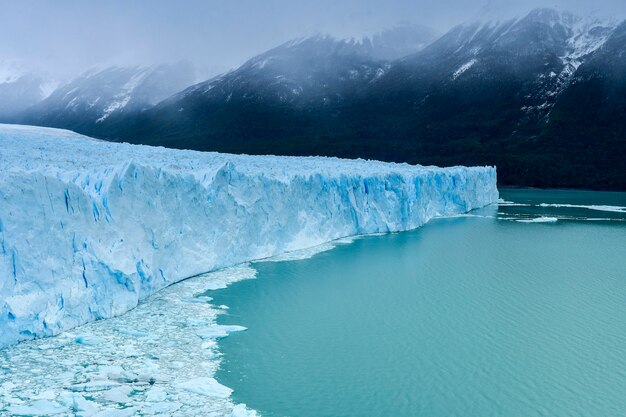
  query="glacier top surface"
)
[{"x": 61, "y": 153}]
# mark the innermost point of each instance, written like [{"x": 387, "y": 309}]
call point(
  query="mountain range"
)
[{"x": 542, "y": 97}]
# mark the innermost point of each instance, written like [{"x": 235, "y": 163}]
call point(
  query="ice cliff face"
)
[{"x": 90, "y": 228}]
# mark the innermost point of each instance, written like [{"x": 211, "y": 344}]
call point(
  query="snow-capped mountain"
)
[
  {"x": 303, "y": 75},
  {"x": 20, "y": 88},
  {"x": 532, "y": 95},
  {"x": 543, "y": 49},
  {"x": 320, "y": 67},
  {"x": 98, "y": 96}
]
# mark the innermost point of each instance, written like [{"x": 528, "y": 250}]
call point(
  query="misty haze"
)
[{"x": 313, "y": 208}]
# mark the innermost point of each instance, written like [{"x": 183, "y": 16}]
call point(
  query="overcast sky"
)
[{"x": 67, "y": 37}]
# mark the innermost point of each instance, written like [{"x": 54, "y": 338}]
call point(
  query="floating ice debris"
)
[
  {"x": 166, "y": 408},
  {"x": 301, "y": 254},
  {"x": 241, "y": 411},
  {"x": 119, "y": 394},
  {"x": 503, "y": 203},
  {"x": 89, "y": 340},
  {"x": 38, "y": 408},
  {"x": 454, "y": 216},
  {"x": 606, "y": 208},
  {"x": 539, "y": 220},
  {"x": 217, "y": 332},
  {"x": 611, "y": 209},
  {"x": 124, "y": 412},
  {"x": 78, "y": 403},
  {"x": 156, "y": 394},
  {"x": 94, "y": 386},
  {"x": 45, "y": 395},
  {"x": 205, "y": 386},
  {"x": 133, "y": 333},
  {"x": 595, "y": 219}
]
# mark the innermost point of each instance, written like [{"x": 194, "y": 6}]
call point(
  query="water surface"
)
[{"x": 487, "y": 315}]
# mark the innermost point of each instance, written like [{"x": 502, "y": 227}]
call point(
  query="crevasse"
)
[{"x": 90, "y": 228}]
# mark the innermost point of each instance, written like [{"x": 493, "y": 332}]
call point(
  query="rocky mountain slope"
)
[{"x": 96, "y": 100}]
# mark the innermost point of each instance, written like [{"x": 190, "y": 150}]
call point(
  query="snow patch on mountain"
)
[
  {"x": 121, "y": 99},
  {"x": 463, "y": 68},
  {"x": 585, "y": 35},
  {"x": 118, "y": 104}
]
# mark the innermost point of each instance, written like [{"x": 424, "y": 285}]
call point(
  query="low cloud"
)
[{"x": 67, "y": 37}]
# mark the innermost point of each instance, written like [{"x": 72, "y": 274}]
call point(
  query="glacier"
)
[{"x": 89, "y": 228}]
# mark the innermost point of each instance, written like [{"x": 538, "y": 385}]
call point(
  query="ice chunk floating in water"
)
[
  {"x": 90, "y": 228},
  {"x": 540, "y": 220}
]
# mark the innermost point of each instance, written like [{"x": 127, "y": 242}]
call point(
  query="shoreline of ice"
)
[
  {"x": 141, "y": 363},
  {"x": 158, "y": 359}
]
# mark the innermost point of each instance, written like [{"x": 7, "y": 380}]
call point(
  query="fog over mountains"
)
[
  {"x": 98, "y": 97},
  {"x": 542, "y": 96}
]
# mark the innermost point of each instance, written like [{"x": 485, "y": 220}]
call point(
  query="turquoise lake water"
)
[{"x": 487, "y": 315}]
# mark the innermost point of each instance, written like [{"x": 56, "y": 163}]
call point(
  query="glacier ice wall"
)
[{"x": 90, "y": 228}]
